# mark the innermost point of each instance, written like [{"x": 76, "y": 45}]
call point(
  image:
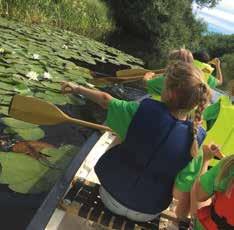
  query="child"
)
[
  {"x": 202, "y": 60},
  {"x": 218, "y": 183},
  {"x": 137, "y": 175},
  {"x": 154, "y": 84}
]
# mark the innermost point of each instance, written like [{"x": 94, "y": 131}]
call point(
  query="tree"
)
[
  {"x": 207, "y": 3},
  {"x": 217, "y": 44},
  {"x": 163, "y": 24},
  {"x": 227, "y": 67}
]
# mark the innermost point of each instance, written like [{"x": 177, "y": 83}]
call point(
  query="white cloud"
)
[{"x": 222, "y": 16}]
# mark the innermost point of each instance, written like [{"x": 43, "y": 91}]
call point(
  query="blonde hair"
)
[
  {"x": 181, "y": 55},
  {"x": 226, "y": 166},
  {"x": 185, "y": 90}
]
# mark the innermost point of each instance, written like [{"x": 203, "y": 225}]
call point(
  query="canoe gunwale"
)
[{"x": 45, "y": 211}]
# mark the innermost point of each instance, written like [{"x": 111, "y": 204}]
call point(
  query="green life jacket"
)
[
  {"x": 222, "y": 131},
  {"x": 205, "y": 68}
]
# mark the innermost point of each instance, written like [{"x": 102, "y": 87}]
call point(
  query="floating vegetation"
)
[{"x": 33, "y": 61}]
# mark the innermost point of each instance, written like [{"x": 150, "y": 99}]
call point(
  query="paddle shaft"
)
[{"x": 88, "y": 124}]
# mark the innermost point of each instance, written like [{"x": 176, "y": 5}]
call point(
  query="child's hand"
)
[
  {"x": 148, "y": 76},
  {"x": 215, "y": 62},
  {"x": 68, "y": 87},
  {"x": 210, "y": 151}
]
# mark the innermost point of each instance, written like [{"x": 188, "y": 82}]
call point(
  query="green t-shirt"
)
[
  {"x": 212, "y": 82},
  {"x": 120, "y": 114},
  {"x": 208, "y": 180},
  {"x": 210, "y": 114},
  {"x": 155, "y": 85},
  {"x": 209, "y": 185},
  {"x": 186, "y": 177}
]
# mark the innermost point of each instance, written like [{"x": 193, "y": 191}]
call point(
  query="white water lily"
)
[
  {"x": 36, "y": 56},
  {"x": 32, "y": 75},
  {"x": 2, "y": 50},
  {"x": 65, "y": 47},
  {"x": 47, "y": 75}
]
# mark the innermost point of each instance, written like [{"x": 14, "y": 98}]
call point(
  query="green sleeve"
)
[
  {"x": 211, "y": 113},
  {"x": 186, "y": 177},
  {"x": 120, "y": 114},
  {"x": 207, "y": 180},
  {"x": 155, "y": 85},
  {"x": 212, "y": 82}
]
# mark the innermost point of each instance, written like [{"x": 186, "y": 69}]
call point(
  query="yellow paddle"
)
[
  {"x": 136, "y": 72},
  {"x": 36, "y": 111}
]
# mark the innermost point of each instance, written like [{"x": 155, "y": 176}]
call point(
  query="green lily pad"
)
[
  {"x": 32, "y": 134},
  {"x": 52, "y": 97},
  {"x": 6, "y": 86},
  {"x": 4, "y": 110},
  {"x": 11, "y": 122},
  {"x": 24, "y": 174},
  {"x": 23, "y": 89},
  {"x": 5, "y": 99}
]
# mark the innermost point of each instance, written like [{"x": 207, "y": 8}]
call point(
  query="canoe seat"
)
[{"x": 83, "y": 200}]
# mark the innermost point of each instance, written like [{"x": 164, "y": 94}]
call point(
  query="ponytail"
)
[
  {"x": 225, "y": 172},
  {"x": 185, "y": 90},
  {"x": 203, "y": 100}
]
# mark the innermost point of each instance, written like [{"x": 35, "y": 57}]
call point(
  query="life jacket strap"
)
[{"x": 221, "y": 222}]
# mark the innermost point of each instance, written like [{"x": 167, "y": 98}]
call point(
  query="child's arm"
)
[
  {"x": 219, "y": 75},
  {"x": 197, "y": 193},
  {"x": 96, "y": 96}
]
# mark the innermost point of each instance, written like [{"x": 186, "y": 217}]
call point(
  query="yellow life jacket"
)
[
  {"x": 205, "y": 68},
  {"x": 222, "y": 132},
  {"x": 156, "y": 97}
]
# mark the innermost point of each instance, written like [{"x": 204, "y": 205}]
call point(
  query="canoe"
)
[{"x": 47, "y": 212}]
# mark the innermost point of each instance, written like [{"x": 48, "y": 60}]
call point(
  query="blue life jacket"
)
[{"x": 140, "y": 172}]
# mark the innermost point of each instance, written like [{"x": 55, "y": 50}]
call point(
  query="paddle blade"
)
[
  {"x": 36, "y": 111},
  {"x": 137, "y": 72},
  {"x": 131, "y": 72}
]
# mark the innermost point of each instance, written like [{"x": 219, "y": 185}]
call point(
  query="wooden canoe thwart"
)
[{"x": 84, "y": 201}]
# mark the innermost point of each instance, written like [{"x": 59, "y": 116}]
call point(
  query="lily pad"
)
[
  {"x": 52, "y": 97},
  {"x": 11, "y": 122},
  {"x": 6, "y": 86},
  {"x": 30, "y": 134},
  {"x": 24, "y": 174},
  {"x": 4, "y": 110},
  {"x": 23, "y": 89}
]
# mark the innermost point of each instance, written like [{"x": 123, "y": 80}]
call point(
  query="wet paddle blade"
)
[{"x": 36, "y": 111}]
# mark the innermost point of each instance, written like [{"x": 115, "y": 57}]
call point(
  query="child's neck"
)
[{"x": 179, "y": 115}]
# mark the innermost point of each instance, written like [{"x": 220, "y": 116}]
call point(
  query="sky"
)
[{"x": 220, "y": 19}]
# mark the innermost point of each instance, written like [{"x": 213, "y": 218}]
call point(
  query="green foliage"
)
[
  {"x": 24, "y": 174},
  {"x": 207, "y": 3},
  {"x": 34, "y": 60},
  {"x": 87, "y": 17},
  {"x": 228, "y": 67},
  {"x": 24, "y": 130},
  {"x": 217, "y": 44},
  {"x": 165, "y": 24}
]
